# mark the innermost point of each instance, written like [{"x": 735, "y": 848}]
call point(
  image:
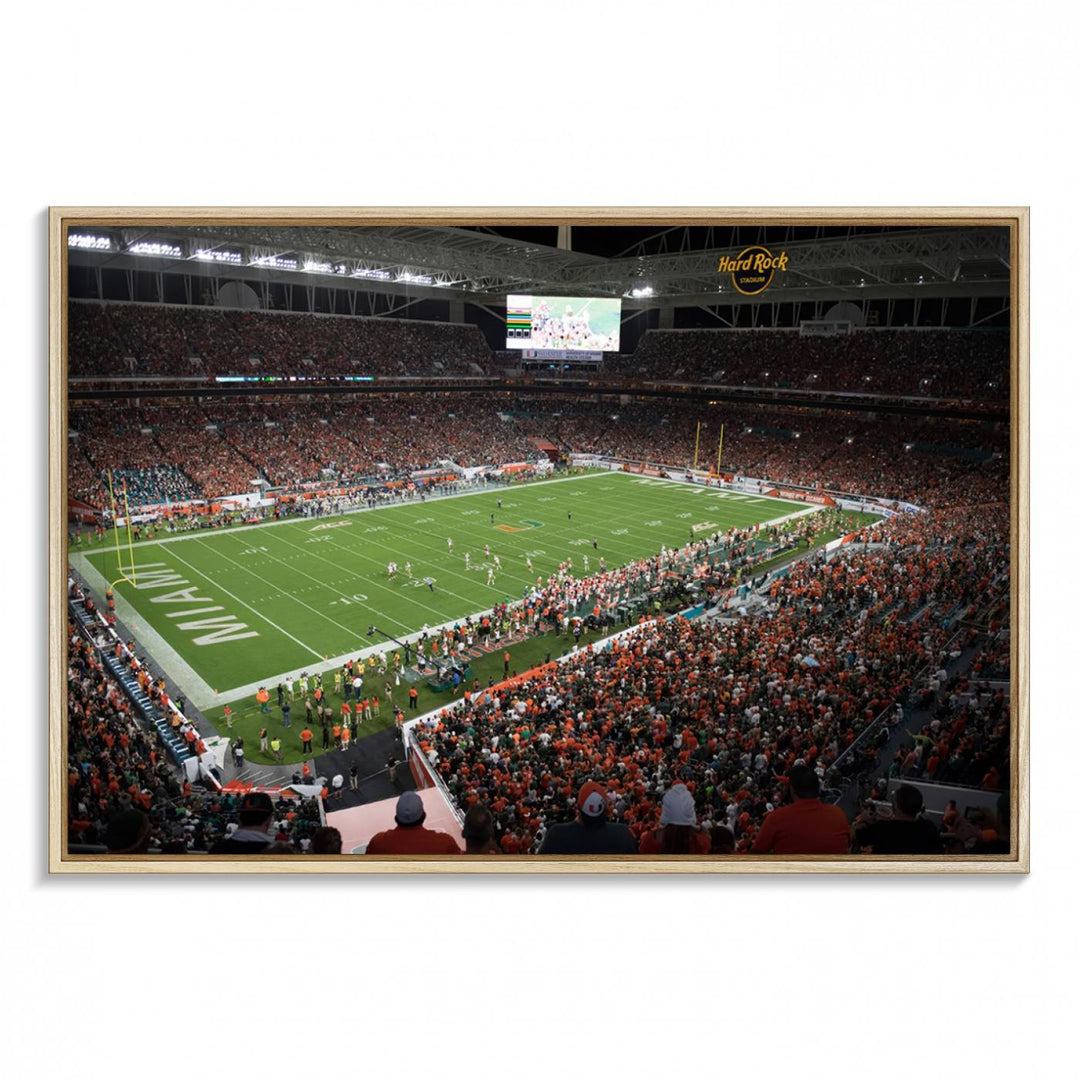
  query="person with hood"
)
[{"x": 679, "y": 832}]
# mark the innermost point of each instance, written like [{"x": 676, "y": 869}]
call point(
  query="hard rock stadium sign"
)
[{"x": 753, "y": 269}]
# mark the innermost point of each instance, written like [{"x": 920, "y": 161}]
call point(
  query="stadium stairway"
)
[{"x": 176, "y": 746}]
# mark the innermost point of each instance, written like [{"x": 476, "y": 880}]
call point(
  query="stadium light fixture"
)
[
  {"x": 159, "y": 248},
  {"x": 414, "y": 279},
  {"x": 87, "y": 242},
  {"x": 219, "y": 255},
  {"x": 642, "y": 290},
  {"x": 377, "y": 275},
  {"x": 313, "y": 266},
  {"x": 275, "y": 262}
]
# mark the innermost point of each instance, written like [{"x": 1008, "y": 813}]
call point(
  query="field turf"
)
[{"x": 225, "y": 610}]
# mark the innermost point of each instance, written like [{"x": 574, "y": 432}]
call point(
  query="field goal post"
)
[{"x": 121, "y": 570}]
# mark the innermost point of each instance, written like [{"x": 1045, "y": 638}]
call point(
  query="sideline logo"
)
[{"x": 752, "y": 269}]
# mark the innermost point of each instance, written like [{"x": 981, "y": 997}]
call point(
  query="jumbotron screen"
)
[{"x": 567, "y": 323}]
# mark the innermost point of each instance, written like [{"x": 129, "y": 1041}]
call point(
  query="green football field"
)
[{"x": 223, "y": 611}]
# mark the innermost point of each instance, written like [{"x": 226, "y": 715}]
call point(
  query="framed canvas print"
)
[{"x": 538, "y": 540}]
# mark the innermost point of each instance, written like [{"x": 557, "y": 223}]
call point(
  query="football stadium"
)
[{"x": 538, "y": 540}]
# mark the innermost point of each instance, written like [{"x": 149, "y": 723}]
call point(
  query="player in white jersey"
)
[
  {"x": 491, "y": 576},
  {"x": 408, "y": 570},
  {"x": 487, "y": 550},
  {"x": 528, "y": 564},
  {"x": 586, "y": 559},
  {"x": 498, "y": 565},
  {"x": 466, "y": 560},
  {"x": 449, "y": 544}
]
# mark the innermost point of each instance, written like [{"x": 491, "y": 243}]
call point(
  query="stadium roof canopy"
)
[{"x": 645, "y": 266}]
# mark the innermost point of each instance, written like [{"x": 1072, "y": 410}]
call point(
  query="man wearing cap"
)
[
  {"x": 253, "y": 836},
  {"x": 806, "y": 826},
  {"x": 592, "y": 833},
  {"x": 409, "y": 837}
]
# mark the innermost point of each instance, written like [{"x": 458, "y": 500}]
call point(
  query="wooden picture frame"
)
[{"x": 1014, "y": 219}]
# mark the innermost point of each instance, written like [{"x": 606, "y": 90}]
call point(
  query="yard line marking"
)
[
  {"x": 196, "y": 534},
  {"x": 351, "y": 631},
  {"x": 320, "y": 583},
  {"x": 197, "y": 690},
  {"x": 254, "y": 611}
]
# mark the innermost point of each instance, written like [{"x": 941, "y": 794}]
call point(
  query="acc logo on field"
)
[{"x": 753, "y": 269}]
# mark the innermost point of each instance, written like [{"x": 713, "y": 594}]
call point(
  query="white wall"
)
[{"x": 795, "y": 104}]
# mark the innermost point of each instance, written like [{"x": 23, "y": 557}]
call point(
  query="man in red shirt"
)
[
  {"x": 409, "y": 837},
  {"x": 806, "y": 826}
]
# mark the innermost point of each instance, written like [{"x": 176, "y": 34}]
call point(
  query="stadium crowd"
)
[
  {"x": 123, "y": 792},
  {"x": 126, "y": 339},
  {"x": 117, "y": 340},
  {"x": 694, "y": 732},
  {"x": 728, "y": 709},
  {"x": 217, "y": 449},
  {"x": 931, "y": 363}
]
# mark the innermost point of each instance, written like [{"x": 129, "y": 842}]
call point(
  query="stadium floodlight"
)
[
  {"x": 640, "y": 291},
  {"x": 312, "y": 266},
  {"x": 275, "y": 262},
  {"x": 414, "y": 279},
  {"x": 377, "y": 275},
  {"x": 87, "y": 242},
  {"x": 159, "y": 248},
  {"x": 908, "y": 446},
  {"x": 219, "y": 255}
]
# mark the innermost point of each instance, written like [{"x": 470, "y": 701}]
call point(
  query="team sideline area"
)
[{"x": 569, "y": 582}]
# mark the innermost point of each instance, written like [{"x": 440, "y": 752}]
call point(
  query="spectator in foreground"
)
[
  {"x": 409, "y": 837},
  {"x": 592, "y": 833},
  {"x": 253, "y": 836},
  {"x": 479, "y": 832},
  {"x": 679, "y": 832},
  {"x": 128, "y": 833},
  {"x": 806, "y": 826},
  {"x": 907, "y": 832},
  {"x": 326, "y": 841},
  {"x": 723, "y": 840}
]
